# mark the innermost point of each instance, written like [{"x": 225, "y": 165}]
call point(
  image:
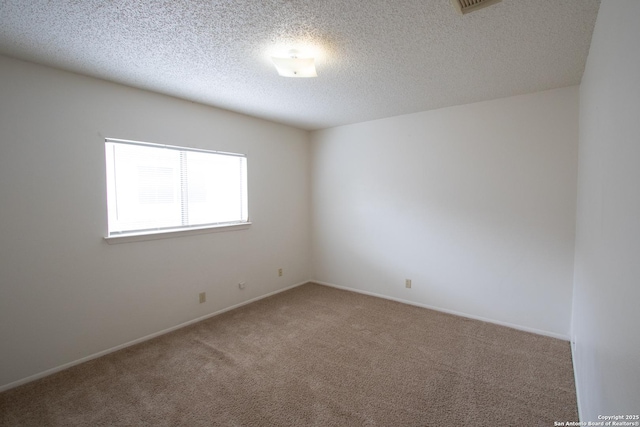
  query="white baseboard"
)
[
  {"x": 138, "y": 340},
  {"x": 444, "y": 310},
  {"x": 575, "y": 376}
]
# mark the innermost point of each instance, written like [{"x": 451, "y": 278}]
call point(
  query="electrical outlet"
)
[
  {"x": 407, "y": 283},
  {"x": 279, "y": 272},
  {"x": 203, "y": 297},
  {"x": 241, "y": 285}
]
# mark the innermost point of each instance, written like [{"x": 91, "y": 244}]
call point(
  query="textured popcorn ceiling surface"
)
[{"x": 375, "y": 58}]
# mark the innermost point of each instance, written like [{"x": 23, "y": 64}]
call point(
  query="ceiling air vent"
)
[{"x": 466, "y": 6}]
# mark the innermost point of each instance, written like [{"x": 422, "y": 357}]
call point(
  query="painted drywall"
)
[
  {"x": 606, "y": 317},
  {"x": 65, "y": 294},
  {"x": 475, "y": 204}
]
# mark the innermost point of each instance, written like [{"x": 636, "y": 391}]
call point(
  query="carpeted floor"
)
[{"x": 314, "y": 356}]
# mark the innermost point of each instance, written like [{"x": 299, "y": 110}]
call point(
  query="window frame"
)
[{"x": 169, "y": 232}]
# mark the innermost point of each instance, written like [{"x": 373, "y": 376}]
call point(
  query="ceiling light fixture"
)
[{"x": 294, "y": 66}]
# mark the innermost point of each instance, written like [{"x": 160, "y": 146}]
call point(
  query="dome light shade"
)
[{"x": 294, "y": 66}]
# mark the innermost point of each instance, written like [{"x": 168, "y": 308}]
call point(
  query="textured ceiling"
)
[{"x": 375, "y": 58}]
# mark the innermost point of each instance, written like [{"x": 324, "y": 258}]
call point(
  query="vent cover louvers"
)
[{"x": 466, "y": 6}]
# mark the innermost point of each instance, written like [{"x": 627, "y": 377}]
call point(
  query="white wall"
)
[
  {"x": 66, "y": 294},
  {"x": 475, "y": 204},
  {"x": 606, "y": 316}
]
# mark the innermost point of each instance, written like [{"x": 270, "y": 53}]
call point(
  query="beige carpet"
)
[{"x": 314, "y": 356}]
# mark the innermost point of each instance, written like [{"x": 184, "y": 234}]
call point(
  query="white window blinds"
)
[{"x": 154, "y": 187}]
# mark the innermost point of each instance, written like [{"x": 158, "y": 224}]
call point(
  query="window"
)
[{"x": 155, "y": 188}]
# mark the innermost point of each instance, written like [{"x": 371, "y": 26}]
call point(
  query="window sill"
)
[{"x": 156, "y": 235}]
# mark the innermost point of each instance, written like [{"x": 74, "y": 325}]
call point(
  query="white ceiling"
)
[{"x": 375, "y": 58}]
